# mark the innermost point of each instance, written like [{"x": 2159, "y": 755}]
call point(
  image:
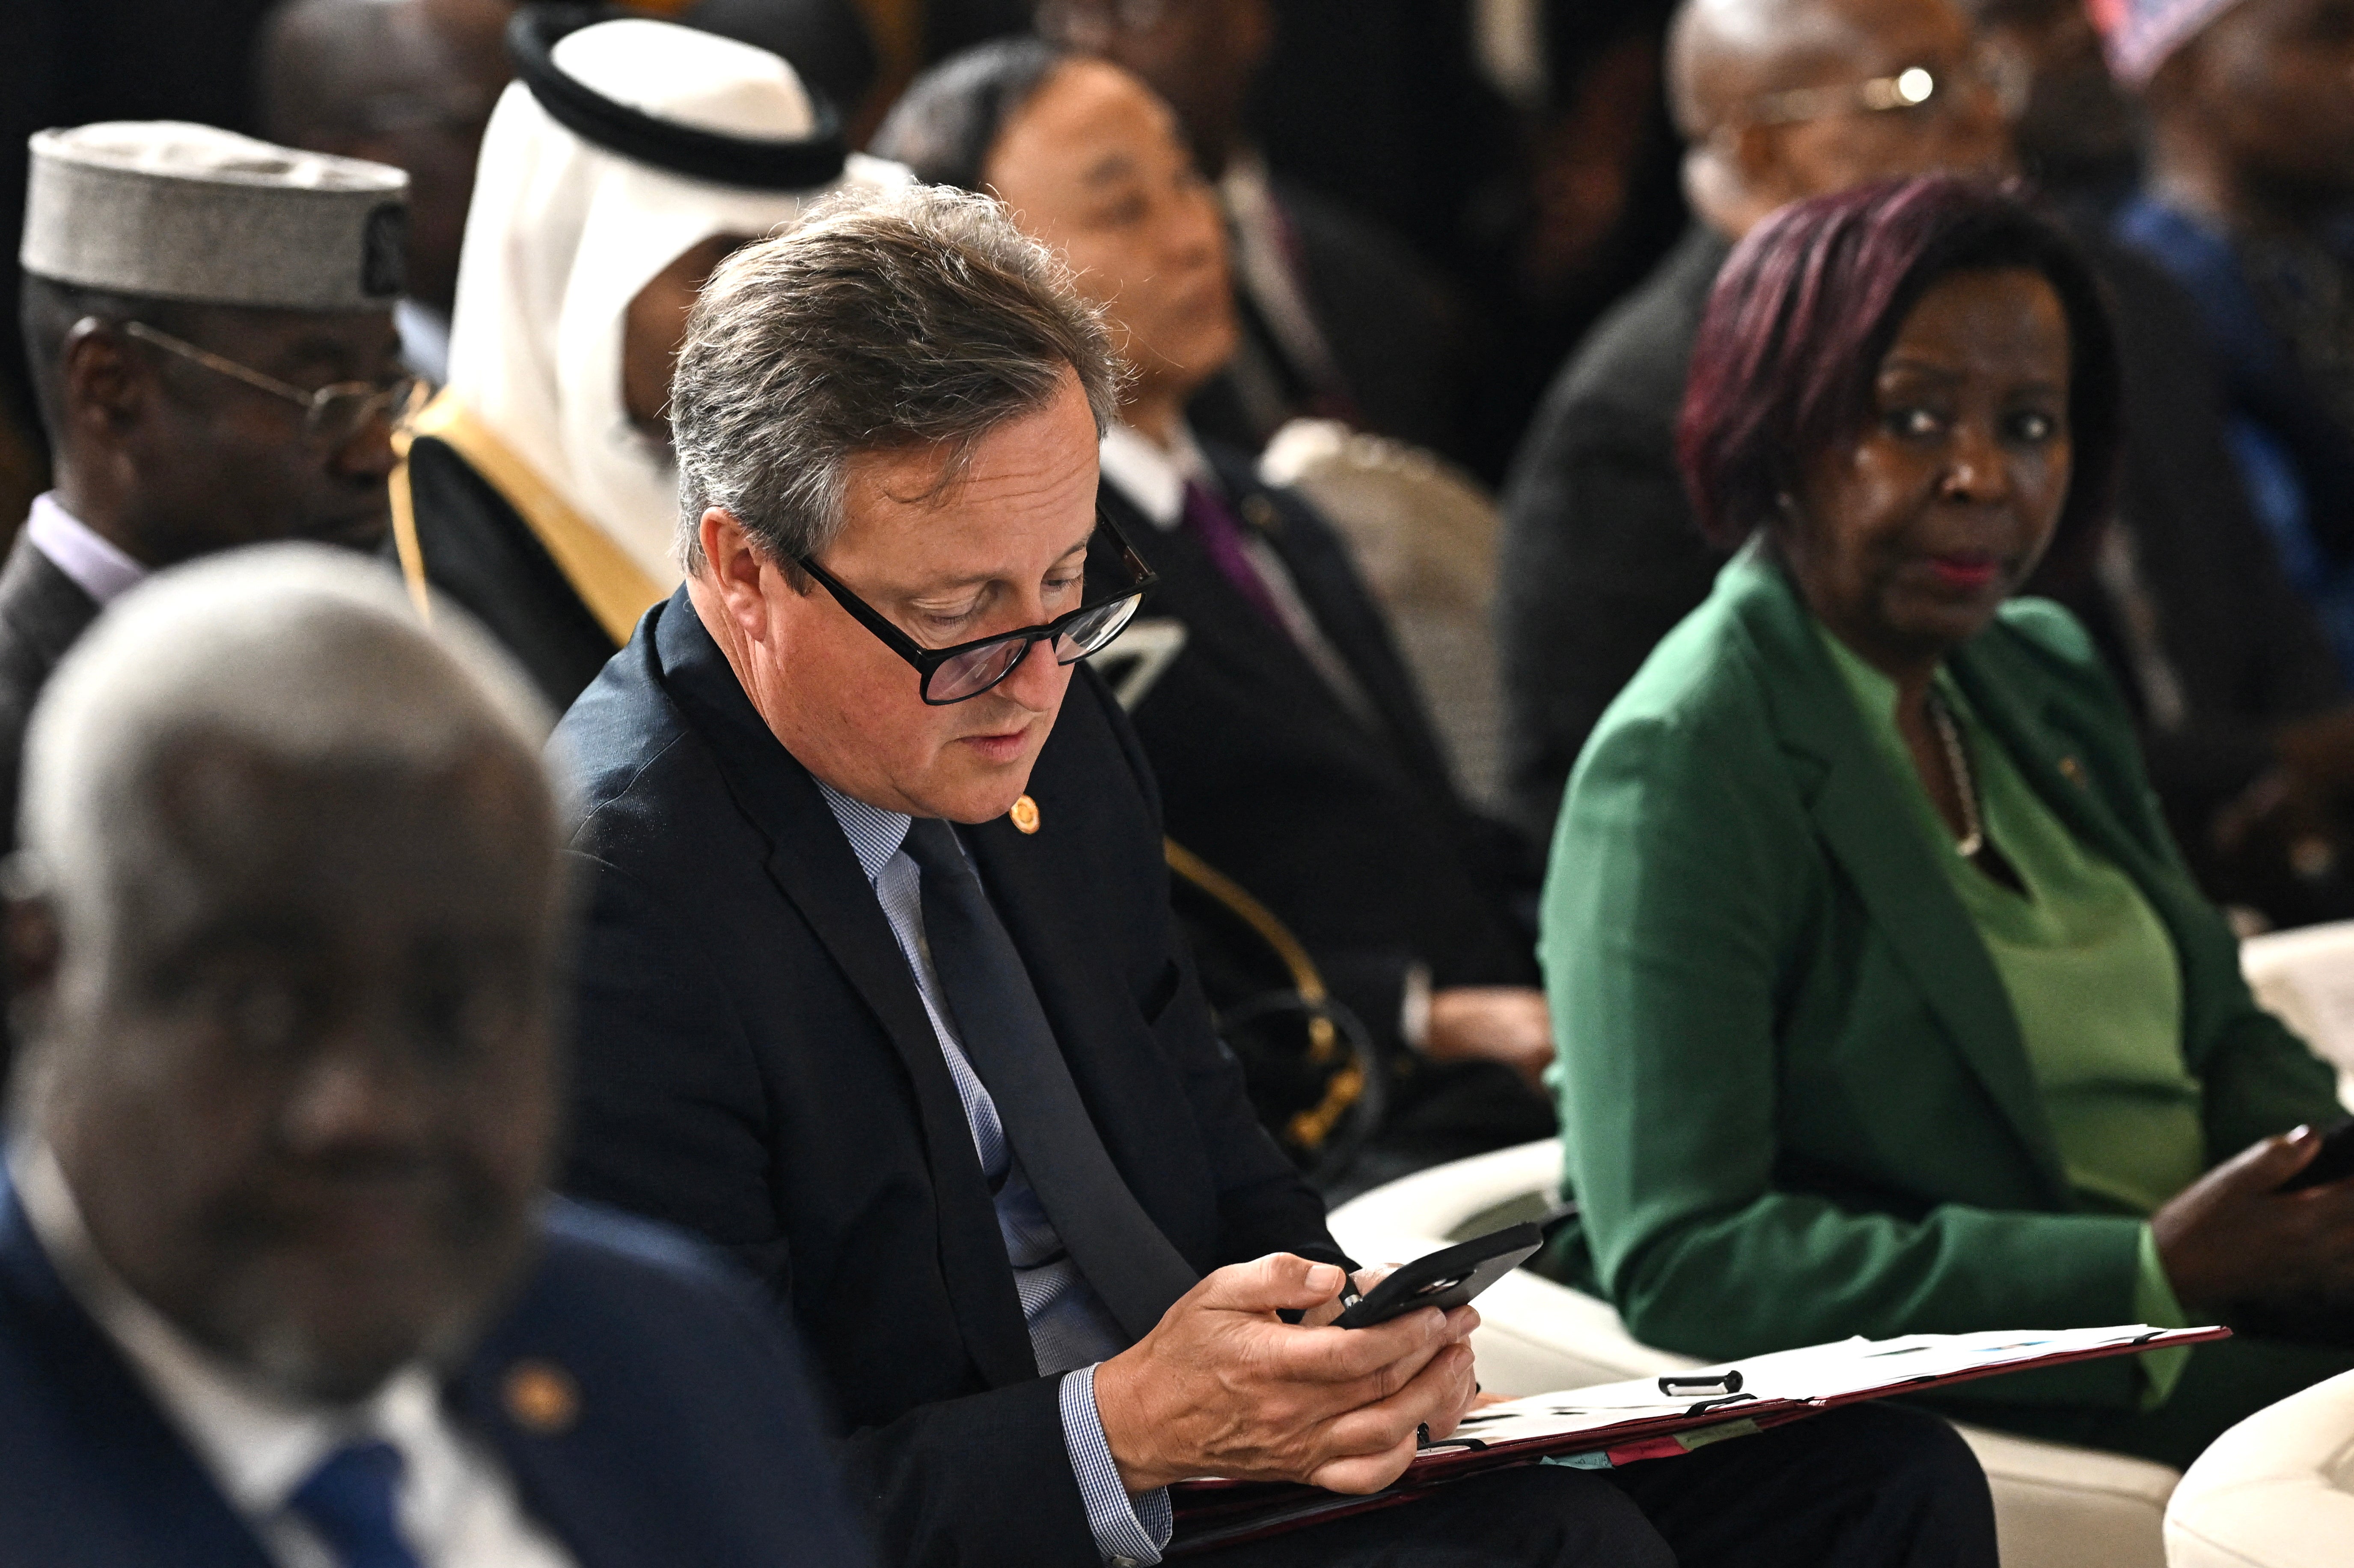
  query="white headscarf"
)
[{"x": 561, "y": 236}]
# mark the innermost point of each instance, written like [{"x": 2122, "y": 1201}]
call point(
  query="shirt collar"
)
[
  {"x": 257, "y": 1444},
  {"x": 875, "y": 833},
  {"x": 96, "y": 565},
  {"x": 1153, "y": 477}
]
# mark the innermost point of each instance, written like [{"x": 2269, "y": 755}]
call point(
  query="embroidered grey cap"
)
[{"x": 177, "y": 211}]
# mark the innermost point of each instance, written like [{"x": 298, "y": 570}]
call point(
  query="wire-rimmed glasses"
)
[
  {"x": 1925, "y": 86},
  {"x": 331, "y": 415},
  {"x": 966, "y": 670}
]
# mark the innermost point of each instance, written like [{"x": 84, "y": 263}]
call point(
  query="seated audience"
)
[
  {"x": 406, "y": 82},
  {"x": 2243, "y": 713},
  {"x": 1339, "y": 318},
  {"x": 631, "y": 157},
  {"x": 1292, "y": 750},
  {"x": 2249, "y": 200},
  {"x": 1599, "y": 556},
  {"x": 1885, "y": 1003},
  {"x": 208, "y": 321},
  {"x": 280, "y": 1280},
  {"x": 880, "y": 989}
]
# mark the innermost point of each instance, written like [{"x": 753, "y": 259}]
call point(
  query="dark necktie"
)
[
  {"x": 1220, "y": 533},
  {"x": 1122, "y": 1254},
  {"x": 350, "y": 1502}
]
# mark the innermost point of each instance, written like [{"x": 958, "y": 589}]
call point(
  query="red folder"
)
[{"x": 1654, "y": 1418}]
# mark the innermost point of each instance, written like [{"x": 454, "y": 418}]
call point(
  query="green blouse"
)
[{"x": 2090, "y": 974}]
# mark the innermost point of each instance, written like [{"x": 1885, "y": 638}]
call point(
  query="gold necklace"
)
[{"x": 1957, "y": 761}]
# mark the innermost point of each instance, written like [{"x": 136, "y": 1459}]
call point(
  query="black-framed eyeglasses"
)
[
  {"x": 965, "y": 670},
  {"x": 331, "y": 415}
]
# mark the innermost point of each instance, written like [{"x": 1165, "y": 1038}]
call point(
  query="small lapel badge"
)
[
  {"x": 1260, "y": 513},
  {"x": 541, "y": 1397},
  {"x": 2073, "y": 771},
  {"x": 1026, "y": 814}
]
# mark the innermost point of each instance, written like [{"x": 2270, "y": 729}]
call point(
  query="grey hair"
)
[
  {"x": 305, "y": 653},
  {"x": 892, "y": 319}
]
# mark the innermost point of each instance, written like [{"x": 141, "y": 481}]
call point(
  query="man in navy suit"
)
[
  {"x": 881, "y": 989},
  {"x": 279, "y": 1281}
]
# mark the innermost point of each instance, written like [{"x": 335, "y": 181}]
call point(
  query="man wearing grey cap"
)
[{"x": 209, "y": 324}]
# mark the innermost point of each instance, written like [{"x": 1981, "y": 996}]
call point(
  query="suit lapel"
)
[
  {"x": 43, "y": 606},
  {"x": 122, "y": 1439},
  {"x": 1863, "y": 822},
  {"x": 812, "y": 864},
  {"x": 1322, "y": 570}
]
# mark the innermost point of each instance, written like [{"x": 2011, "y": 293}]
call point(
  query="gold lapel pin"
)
[
  {"x": 2073, "y": 771},
  {"x": 1026, "y": 814},
  {"x": 541, "y": 1397}
]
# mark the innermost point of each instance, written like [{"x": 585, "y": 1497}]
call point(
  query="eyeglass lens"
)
[
  {"x": 972, "y": 673},
  {"x": 335, "y": 419}
]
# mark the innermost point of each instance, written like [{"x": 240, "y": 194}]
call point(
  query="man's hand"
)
[
  {"x": 1506, "y": 1023},
  {"x": 2230, "y": 1239},
  {"x": 1224, "y": 1387}
]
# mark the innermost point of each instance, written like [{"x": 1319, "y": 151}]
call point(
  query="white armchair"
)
[
  {"x": 2055, "y": 1507},
  {"x": 2275, "y": 1491},
  {"x": 2305, "y": 978}
]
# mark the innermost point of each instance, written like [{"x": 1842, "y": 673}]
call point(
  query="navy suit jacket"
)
[
  {"x": 754, "y": 1063},
  {"x": 695, "y": 1441}
]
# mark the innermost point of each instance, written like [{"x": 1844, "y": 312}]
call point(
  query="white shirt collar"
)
[
  {"x": 97, "y": 566},
  {"x": 1152, "y": 476}
]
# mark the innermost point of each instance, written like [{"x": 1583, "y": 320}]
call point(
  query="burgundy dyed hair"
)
[{"x": 1805, "y": 310}]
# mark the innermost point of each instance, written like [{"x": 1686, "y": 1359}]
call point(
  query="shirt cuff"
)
[
  {"x": 1128, "y": 1529},
  {"x": 2154, "y": 1304}
]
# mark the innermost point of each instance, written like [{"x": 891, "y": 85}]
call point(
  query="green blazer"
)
[{"x": 1795, "y": 1103}]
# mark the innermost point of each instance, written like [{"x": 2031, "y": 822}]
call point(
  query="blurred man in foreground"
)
[{"x": 279, "y": 1279}]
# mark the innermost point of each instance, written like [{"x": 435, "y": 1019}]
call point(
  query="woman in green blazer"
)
[{"x": 1884, "y": 1003}]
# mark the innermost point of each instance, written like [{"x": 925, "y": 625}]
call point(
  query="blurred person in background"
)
[
  {"x": 1600, "y": 556},
  {"x": 1291, "y": 748},
  {"x": 2243, "y": 714},
  {"x": 406, "y": 82},
  {"x": 2249, "y": 202},
  {"x": 630, "y": 159},
  {"x": 1885, "y": 1003},
  {"x": 208, "y": 322},
  {"x": 2077, "y": 132},
  {"x": 1339, "y": 317},
  {"x": 280, "y": 1280}
]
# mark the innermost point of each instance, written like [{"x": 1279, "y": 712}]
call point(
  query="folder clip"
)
[{"x": 1704, "y": 1383}]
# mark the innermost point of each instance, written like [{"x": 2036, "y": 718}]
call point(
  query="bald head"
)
[
  {"x": 284, "y": 940},
  {"x": 1728, "y": 60},
  {"x": 406, "y": 82}
]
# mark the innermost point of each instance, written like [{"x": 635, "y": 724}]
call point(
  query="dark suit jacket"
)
[
  {"x": 1347, "y": 827},
  {"x": 1600, "y": 556},
  {"x": 754, "y": 1063},
  {"x": 695, "y": 1439},
  {"x": 1401, "y": 337},
  {"x": 480, "y": 552},
  {"x": 43, "y": 612}
]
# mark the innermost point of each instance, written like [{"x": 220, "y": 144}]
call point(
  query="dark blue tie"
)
[
  {"x": 1130, "y": 1265},
  {"x": 352, "y": 1501}
]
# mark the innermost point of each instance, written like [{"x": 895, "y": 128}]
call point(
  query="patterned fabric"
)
[
  {"x": 351, "y": 1500},
  {"x": 1069, "y": 1328}
]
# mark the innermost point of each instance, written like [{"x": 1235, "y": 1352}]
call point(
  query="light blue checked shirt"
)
[{"x": 1070, "y": 1331}]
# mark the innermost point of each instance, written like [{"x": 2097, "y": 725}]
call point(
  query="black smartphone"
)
[
  {"x": 1446, "y": 1278},
  {"x": 2334, "y": 1163}
]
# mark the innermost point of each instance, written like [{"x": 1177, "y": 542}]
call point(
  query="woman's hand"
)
[{"x": 2232, "y": 1239}]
